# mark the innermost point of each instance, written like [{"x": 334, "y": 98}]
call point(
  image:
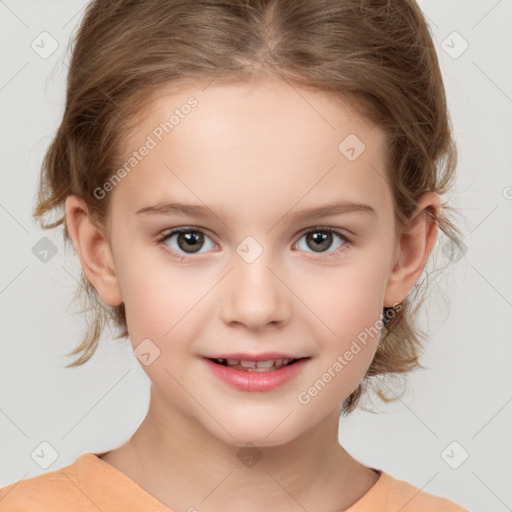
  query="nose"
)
[{"x": 255, "y": 296}]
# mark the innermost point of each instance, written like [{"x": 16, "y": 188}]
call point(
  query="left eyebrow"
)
[
  {"x": 201, "y": 211},
  {"x": 332, "y": 209}
]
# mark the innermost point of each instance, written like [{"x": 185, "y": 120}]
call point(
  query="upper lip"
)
[{"x": 264, "y": 356}]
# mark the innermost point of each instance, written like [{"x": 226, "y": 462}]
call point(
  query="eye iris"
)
[
  {"x": 189, "y": 239},
  {"x": 320, "y": 238}
]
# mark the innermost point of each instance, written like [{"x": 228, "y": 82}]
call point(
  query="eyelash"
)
[{"x": 328, "y": 255}]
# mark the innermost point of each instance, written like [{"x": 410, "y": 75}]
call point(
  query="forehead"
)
[
  {"x": 250, "y": 107},
  {"x": 253, "y": 144}
]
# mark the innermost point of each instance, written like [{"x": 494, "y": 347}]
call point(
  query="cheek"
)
[
  {"x": 154, "y": 306},
  {"x": 162, "y": 301},
  {"x": 350, "y": 298},
  {"x": 349, "y": 303}
]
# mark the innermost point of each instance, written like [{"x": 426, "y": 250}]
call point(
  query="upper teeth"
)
[{"x": 270, "y": 363}]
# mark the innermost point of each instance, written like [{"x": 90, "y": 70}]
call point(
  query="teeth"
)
[
  {"x": 267, "y": 364},
  {"x": 243, "y": 364},
  {"x": 262, "y": 366}
]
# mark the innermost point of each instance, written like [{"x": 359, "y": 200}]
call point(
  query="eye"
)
[
  {"x": 321, "y": 238},
  {"x": 185, "y": 241},
  {"x": 188, "y": 241}
]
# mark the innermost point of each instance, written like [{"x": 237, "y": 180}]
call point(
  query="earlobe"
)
[
  {"x": 416, "y": 242},
  {"x": 94, "y": 251}
]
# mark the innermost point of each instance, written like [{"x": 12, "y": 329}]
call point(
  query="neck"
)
[{"x": 183, "y": 465}]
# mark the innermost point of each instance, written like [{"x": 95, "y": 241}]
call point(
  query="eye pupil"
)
[
  {"x": 320, "y": 238},
  {"x": 189, "y": 239}
]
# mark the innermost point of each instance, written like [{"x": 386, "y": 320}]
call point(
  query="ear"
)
[
  {"x": 94, "y": 251},
  {"x": 417, "y": 239}
]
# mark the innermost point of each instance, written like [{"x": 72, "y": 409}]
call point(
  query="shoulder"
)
[
  {"x": 406, "y": 497},
  {"x": 391, "y": 494},
  {"x": 42, "y": 493}
]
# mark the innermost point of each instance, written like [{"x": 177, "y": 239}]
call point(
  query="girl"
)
[{"x": 303, "y": 147}]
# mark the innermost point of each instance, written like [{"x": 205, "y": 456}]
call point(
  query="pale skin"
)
[{"x": 258, "y": 152}]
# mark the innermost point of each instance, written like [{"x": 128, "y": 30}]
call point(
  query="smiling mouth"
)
[{"x": 256, "y": 366}]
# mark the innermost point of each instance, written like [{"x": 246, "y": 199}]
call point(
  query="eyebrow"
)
[{"x": 201, "y": 211}]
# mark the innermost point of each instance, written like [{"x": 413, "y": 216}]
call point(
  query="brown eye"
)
[
  {"x": 185, "y": 241},
  {"x": 190, "y": 241},
  {"x": 319, "y": 240}
]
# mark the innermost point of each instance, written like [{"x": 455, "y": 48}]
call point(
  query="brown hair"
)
[{"x": 377, "y": 52}]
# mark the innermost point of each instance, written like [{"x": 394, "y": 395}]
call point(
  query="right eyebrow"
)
[{"x": 192, "y": 210}]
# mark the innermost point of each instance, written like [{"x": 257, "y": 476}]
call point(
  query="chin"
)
[{"x": 258, "y": 434}]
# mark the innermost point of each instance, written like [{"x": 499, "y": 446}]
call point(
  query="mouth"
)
[
  {"x": 262, "y": 372},
  {"x": 256, "y": 366}
]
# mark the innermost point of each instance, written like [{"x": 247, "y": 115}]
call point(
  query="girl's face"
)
[{"x": 251, "y": 272}]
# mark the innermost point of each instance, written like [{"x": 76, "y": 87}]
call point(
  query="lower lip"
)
[{"x": 256, "y": 381}]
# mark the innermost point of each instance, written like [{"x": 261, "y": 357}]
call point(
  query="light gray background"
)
[{"x": 464, "y": 395}]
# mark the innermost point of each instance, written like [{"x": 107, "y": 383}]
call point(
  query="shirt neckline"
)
[
  {"x": 373, "y": 494},
  {"x": 127, "y": 496}
]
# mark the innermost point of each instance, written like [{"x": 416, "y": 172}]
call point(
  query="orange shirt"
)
[{"x": 90, "y": 485}]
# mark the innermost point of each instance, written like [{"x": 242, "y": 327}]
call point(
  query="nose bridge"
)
[{"x": 255, "y": 296}]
